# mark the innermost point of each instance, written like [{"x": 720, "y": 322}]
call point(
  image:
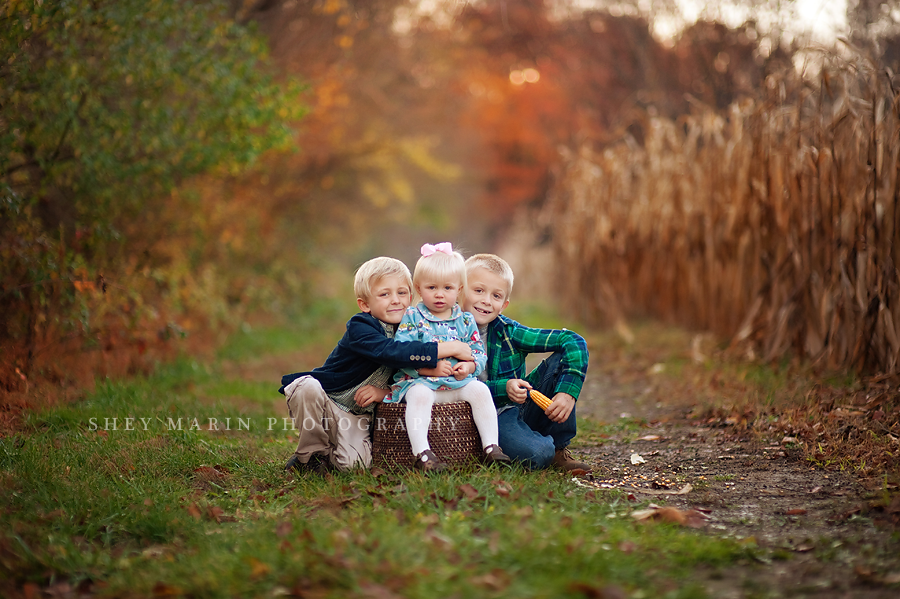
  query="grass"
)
[{"x": 139, "y": 507}]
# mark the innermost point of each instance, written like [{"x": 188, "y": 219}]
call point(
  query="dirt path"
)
[{"x": 809, "y": 532}]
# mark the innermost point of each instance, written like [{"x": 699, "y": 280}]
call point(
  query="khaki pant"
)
[{"x": 327, "y": 429}]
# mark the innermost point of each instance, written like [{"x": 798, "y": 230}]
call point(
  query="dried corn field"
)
[{"x": 774, "y": 225}]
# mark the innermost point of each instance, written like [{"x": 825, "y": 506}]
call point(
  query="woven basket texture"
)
[{"x": 452, "y": 435}]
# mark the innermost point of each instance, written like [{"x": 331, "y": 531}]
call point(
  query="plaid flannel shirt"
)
[{"x": 508, "y": 343}]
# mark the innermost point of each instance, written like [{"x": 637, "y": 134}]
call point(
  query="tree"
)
[{"x": 104, "y": 106}]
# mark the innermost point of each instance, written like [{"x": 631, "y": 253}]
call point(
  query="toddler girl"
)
[{"x": 439, "y": 278}]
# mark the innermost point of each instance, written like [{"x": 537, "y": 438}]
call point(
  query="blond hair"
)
[
  {"x": 441, "y": 266},
  {"x": 495, "y": 264},
  {"x": 371, "y": 271}
]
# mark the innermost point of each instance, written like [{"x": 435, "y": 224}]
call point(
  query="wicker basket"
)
[{"x": 452, "y": 435}]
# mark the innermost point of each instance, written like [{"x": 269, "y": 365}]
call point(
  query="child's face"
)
[
  {"x": 439, "y": 296},
  {"x": 389, "y": 299},
  {"x": 485, "y": 296}
]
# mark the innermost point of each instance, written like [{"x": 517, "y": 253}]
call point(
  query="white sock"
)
[{"x": 419, "y": 400}]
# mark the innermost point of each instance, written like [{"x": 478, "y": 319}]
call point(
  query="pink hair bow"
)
[{"x": 429, "y": 249}]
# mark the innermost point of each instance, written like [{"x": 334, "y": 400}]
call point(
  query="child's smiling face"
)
[
  {"x": 485, "y": 295},
  {"x": 389, "y": 300},
  {"x": 439, "y": 296}
]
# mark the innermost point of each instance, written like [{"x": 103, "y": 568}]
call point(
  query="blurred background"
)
[{"x": 186, "y": 168}]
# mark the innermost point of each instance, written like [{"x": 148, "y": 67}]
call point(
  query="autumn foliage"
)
[{"x": 175, "y": 177}]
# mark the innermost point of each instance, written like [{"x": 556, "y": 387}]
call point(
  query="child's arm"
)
[
  {"x": 526, "y": 340},
  {"x": 454, "y": 349},
  {"x": 479, "y": 356},
  {"x": 366, "y": 339}
]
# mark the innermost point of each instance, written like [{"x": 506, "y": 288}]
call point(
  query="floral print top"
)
[{"x": 419, "y": 324}]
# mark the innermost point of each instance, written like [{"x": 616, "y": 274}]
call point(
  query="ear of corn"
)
[{"x": 540, "y": 399}]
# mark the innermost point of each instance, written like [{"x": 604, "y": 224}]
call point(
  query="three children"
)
[{"x": 332, "y": 406}]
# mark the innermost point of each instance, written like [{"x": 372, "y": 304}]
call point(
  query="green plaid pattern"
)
[{"x": 508, "y": 343}]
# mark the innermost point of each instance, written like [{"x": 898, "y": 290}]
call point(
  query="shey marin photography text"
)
[{"x": 271, "y": 423}]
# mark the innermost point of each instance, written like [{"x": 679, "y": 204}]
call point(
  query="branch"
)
[
  {"x": 13, "y": 169},
  {"x": 65, "y": 132}
]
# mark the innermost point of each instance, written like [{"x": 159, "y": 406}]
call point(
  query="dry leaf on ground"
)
[{"x": 690, "y": 518}]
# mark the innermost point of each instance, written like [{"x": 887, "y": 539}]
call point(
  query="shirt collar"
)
[{"x": 426, "y": 313}]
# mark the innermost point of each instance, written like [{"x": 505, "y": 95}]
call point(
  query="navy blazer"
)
[{"x": 361, "y": 351}]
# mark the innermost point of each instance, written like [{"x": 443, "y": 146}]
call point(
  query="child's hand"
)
[
  {"x": 560, "y": 407},
  {"x": 368, "y": 394},
  {"x": 455, "y": 349},
  {"x": 442, "y": 368},
  {"x": 517, "y": 390},
  {"x": 463, "y": 369}
]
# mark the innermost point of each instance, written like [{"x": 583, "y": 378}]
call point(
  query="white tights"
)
[{"x": 419, "y": 399}]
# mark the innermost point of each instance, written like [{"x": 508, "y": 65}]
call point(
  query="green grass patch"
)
[{"x": 132, "y": 492}]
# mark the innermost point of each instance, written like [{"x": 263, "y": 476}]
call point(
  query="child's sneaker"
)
[
  {"x": 494, "y": 455},
  {"x": 563, "y": 460},
  {"x": 428, "y": 462},
  {"x": 317, "y": 464}
]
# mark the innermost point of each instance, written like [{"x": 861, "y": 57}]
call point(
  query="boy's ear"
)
[
  {"x": 363, "y": 305},
  {"x": 506, "y": 303}
]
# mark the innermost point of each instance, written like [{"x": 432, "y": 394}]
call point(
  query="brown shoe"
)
[
  {"x": 428, "y": 462},
  {"x": 563, "y": 460},
  {"x": 494, "y": 455}
]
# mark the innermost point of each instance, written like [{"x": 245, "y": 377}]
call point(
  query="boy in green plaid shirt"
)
[{"x": 528, "y": 434}]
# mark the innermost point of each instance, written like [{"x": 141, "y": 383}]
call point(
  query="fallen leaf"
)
[
  {"x": 440, "y": 541},
  {"x": 214, "y": 512},
  {"x": 795, "y": 512},
  {"x": 595, "y": 592},
  {"x": 154, "y": 551},
  {"x": 194, "y": 511},
  {"x": 524, "y": 511},
  {"x": 636, "y": 459},
  {"x": 161, "y": 589},
  {"x": 60, "y": 590},
  {"x": 468, "y": 490},
  {"x": 495, "y": 580},
  {"x": 649, "y": 438},
  {"x": 258, "y": 568},
  {"x": 627, "y": 547},
  {"x": 373, "y": 590},
  {"x": 682, "y": 491},
  {"x": 283, "y": 529},
  {"x": 690, "y": 518}
]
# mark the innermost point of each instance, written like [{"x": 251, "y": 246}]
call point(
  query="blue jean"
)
[{"x": 526, "y": 434}]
